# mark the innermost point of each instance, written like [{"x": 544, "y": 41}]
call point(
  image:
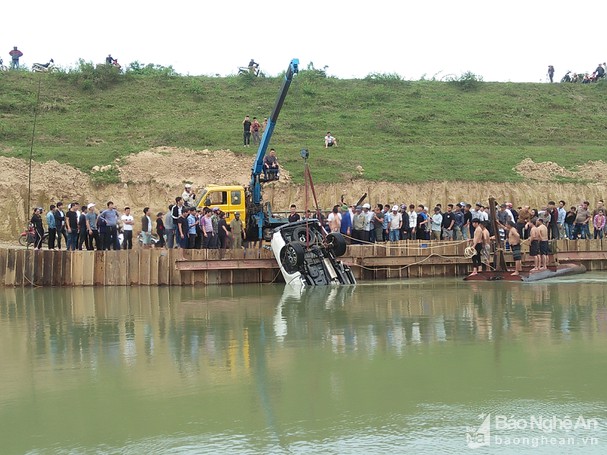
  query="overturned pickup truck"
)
[{"x": 307, "y": 256}]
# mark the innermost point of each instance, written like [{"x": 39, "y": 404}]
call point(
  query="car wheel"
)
[
  {"x": 306, "y": 235},
  {"x": 337, "y": 243},
  {"x": 292, "y": 256}
]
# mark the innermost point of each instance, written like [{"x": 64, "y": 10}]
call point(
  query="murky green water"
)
[{"x": 390, "y": 367}]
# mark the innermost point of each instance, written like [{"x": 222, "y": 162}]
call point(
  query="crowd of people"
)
[
  {"x": 584, "y": 78},
  {"x": 186, "y": 226},
  {"x": 393, "y": 222},
  {"x": 183, "y": 225}
]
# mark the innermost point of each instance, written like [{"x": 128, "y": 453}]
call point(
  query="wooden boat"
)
[{"x": 526, "y": 275}]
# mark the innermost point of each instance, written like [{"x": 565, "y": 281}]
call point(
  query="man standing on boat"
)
[
  {"x": 515, "y": 246},
  {"x": 477, "y": 244},
  {"x": 544, "y": 248},
  {"x": 534, "y": 246}
]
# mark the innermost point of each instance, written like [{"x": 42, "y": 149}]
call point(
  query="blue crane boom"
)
[
  {"x": 257, "y": 216},
  {"x": 257, "y": 169}
]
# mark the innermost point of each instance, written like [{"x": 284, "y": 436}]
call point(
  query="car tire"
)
[
  {"x": 292, "y": 256},
  {"x": 337, "y": 243},
  {"x": 306, "y": 235}
]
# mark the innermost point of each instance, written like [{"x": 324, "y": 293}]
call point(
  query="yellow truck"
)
[{"x": 228, "y": 198}]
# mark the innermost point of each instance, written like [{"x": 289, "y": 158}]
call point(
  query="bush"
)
[
  {"x": 466, "y": 82},
  {"x": 383, "y": 77},
  {"x": 151, "y": 69},
  {"x": 88, "y": 76},
  {"x": 312, "y": 73}
]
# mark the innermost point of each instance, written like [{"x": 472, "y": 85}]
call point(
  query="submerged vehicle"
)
[{"x": 307, "y": 256}]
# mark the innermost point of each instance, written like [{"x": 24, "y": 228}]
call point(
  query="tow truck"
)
[{"x": 258, "y": 217}]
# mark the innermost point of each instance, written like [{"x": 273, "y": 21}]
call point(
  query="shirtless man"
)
[
  {"x": 477, "y": 243},
  {"x": 534, "y": 247},
  {"x": 544, "y": 250},
  {"x": 486, "y": 254},
  {"x": 515, "y": 246}
]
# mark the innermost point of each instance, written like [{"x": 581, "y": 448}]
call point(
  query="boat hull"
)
[{"x": 527, "y": 276}]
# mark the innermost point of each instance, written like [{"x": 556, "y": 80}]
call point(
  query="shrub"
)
[
  {"x": 383, "y": 77},
  {"x": 468, "y": 81},
  {"x": 151, "y": 69}
]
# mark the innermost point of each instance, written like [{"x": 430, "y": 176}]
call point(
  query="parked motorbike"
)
[
  {"x": 43, "y": 67},
  {"x": 28, "y": 237}
]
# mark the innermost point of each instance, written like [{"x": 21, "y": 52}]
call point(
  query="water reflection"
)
[
  {"x": 218, "y": 327},
  {"x": 291, "y": 361}
]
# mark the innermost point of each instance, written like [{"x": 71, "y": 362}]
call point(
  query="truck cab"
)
[{"x": 228, "y": 198}]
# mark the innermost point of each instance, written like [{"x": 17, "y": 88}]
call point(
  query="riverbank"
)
[
  {"x": 153, "y": 178},
  {"x": 160, "y": 267}
]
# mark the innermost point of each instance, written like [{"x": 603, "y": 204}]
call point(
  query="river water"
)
[{"x": 418, "y": 366}]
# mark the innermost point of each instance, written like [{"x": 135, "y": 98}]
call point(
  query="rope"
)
[{"x": 435, "y": 244}]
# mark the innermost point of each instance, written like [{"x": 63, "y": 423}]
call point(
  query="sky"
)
[{"x": 499, "y": 40}]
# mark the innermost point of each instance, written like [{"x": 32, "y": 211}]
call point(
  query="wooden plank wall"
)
[{"x": 404, "y": 259}]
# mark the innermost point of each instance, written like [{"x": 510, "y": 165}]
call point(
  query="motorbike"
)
[
  {"x": 43, "y": 67},
  {"x": 28, "y": 237},
  {"x": 251, "y": 69}
]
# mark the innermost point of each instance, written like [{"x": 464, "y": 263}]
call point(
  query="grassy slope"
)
[{"x": 398, "y": 131}]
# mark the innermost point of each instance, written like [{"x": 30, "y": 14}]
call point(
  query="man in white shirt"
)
[
  {"x": 330, "y": 141},
  {"x": 412, "y": 221},
  {"x": 127, "y": 229},
  {"x": 188, "y": 196},
  {"x": 396, "y": 223}
]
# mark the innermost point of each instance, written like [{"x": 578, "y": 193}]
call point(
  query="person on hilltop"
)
[
  {"x": 109, "y": 60},
  {"x": 253, "y": 67},
  {"x": 246, "y": 133},
  {"x": 551, "y": 73},
  {"x": 15, "y": 54},
  {"x": 255, "y": 128},
  {"x": 330, "y": 141}
]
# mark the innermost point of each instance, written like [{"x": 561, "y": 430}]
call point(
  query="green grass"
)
[{"x": 401, "y": 131}]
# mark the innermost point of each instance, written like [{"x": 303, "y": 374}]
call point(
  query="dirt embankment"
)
[{"x": 154, "y": 177}]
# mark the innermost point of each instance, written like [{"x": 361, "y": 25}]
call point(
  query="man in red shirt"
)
[{"x": 15, "y": 54}]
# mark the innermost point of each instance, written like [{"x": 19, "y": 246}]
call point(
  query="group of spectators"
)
[
  {"x": 186, "y": 226},
  {"x": 83, "y": 227},
  {"x": 584, "y": 78},
  {"x": 183, "y": 226},
  {"x": 393, "y": 222}
]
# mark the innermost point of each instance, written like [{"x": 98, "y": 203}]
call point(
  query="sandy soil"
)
[
  {"x": 548, "y": 171},
  {"x": 154, "y": 177}
]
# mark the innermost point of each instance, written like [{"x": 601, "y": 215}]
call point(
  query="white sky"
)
[{"x": 511, "y": 40}]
